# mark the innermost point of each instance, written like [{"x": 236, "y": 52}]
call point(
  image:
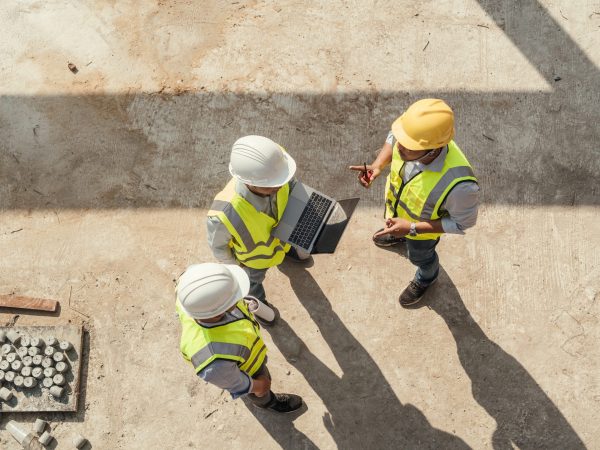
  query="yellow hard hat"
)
[{"x": 425, "y": 125}]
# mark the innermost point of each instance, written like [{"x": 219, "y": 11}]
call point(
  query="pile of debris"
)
[{"x": 34, "y": 441}]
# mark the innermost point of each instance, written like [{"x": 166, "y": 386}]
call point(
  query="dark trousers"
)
[
  {"x": 423, "y": 255},
  {"x": 261, "y": 401}
]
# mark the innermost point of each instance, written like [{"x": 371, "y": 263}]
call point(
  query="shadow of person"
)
[
  {"x": 281, "y": 427},
  {"x": 524, "y": 414},
  {"x": 363, "y": 410}
]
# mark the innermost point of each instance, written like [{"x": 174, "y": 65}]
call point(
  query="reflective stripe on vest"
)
[
  {"x": 252, "y": 243},
  {"x": 238, "y": 340},
  {"x": 420, "y": 198}
]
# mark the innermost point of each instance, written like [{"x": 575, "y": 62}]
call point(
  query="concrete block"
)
[
  {"x": 49, "y": 350},
  {"x": 9, "y": 376},
  {"x": 45, "y": 438},
  {"x": 57, "y": 391},
  {"x": 26, "y": 371},
  {"x": 14, "y": 337},
  {"x": 20, "y": 434},
  {"x": 49, "y": 372},
  {"x": 4, "y": 365},
  {"x": 22, "y": 351},
  {"x": 79, "y": 441},
  {"x": 58, "y": 357},
  {"x": 59, "y": 379},
  {"x": 62, "y": 367},
  {"x": 39, "y": 426},
  {"x": 16, "y": 365},
  {"x": 27, "y": 360},
  {"x": 65, "y": 346},
  {"x": 37, "y": 360},
  {"x": 37, "y": 342},
  {"x": 29, "y": 382},
  {"x": 37, "y": 373},
  {"x": 18, "y": 381},
  {"x": 51, "y": 341},
  {"x": 47, "y": 383},
  {"x": 5, "y": 394},
  {"x": 47, "y": 362},
  {"x": 32, "y": 351},
  {"x": 11, "y": 357}
]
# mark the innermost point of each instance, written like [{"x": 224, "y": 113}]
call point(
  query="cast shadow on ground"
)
[
  {"x": 363, "y": 410},
  {"x": 281, "y": 426},
  {"x": 525, "y": 416}
]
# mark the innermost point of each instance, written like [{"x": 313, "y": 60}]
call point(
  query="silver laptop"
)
[{"x": 305, "y": 215}]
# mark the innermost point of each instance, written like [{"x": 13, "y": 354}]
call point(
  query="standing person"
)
[
  {"x": 243, "y": 214},
  {"x": 221, "y": 337},
  {"x": 431, "y": 189}
]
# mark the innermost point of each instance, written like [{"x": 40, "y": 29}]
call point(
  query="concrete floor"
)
[{"x": 107, "y": 174}]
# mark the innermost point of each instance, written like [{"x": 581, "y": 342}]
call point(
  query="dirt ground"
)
[{"x": 107, "y": 174}]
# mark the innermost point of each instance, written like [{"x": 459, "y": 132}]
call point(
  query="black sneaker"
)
[
  {"x": 284, "y": 403},
  {"x": 387, "y": 240},
  {"x": 413, "y": 293}
]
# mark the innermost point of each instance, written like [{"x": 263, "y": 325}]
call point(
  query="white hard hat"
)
[
  {"x": 209, "y": 289},
  {"x": 258, "y": 161}
]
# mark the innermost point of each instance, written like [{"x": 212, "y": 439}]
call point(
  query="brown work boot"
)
[
  {"x": 413, "y": 293},
  {"x": 387, "y": 240}
]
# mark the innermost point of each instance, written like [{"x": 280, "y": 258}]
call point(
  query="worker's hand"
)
[
  {"x": 366, "y": 178},
  {"x": 261, "y": 385},
  {"x": 396, "y": 227}
]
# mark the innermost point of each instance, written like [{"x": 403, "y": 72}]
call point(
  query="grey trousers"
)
[
  {"x": 261, "y": 401},
  {"x": 257, "y": 276}
]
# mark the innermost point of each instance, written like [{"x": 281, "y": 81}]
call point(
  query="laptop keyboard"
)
[{"x": 310, "y": 220}]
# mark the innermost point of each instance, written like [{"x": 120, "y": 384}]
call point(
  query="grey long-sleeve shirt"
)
[
  {"x": 225, "y": 373},
  {"x": 461, "y": 206},
  {"x": 217, "y": 234}
]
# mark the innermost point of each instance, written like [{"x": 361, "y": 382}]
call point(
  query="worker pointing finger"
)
[
  {"x": 431, "y": 189},
  {"x": 367, "y": 174}
]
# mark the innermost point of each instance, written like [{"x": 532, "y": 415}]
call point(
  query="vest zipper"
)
[{"x": 402, "y": 185}]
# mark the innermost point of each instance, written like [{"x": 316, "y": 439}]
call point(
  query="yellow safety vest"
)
[
  {"x": 238, "y": 340},
  {"x": 421, "y": 197},
  {"x": 251, "y": 243}
]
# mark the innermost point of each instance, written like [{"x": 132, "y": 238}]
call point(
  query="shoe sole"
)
[
  {"x": 280, "y": 412},
  {"x": 387, "y": 245},
  {"x": 411, "y": 303}
]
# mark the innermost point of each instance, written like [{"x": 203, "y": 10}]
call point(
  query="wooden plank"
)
[{"x": 39, "y": 304}]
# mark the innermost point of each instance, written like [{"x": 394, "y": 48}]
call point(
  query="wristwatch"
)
[{"x": 413, "y": 229}]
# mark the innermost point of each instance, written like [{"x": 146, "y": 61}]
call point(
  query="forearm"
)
[{"x": 429, "y": 226}]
